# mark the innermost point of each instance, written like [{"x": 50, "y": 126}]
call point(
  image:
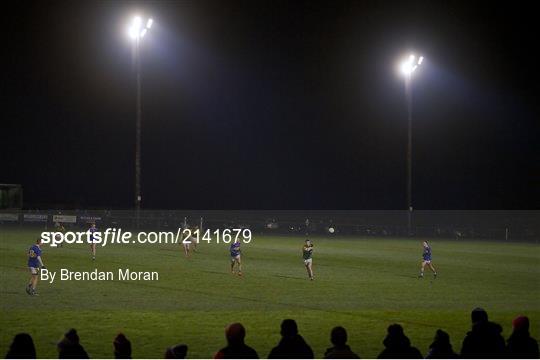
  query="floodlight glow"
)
[
  {"x": 132, "y": 32},
  {"x": 137, "y": 29},
  {"x": 137, "y": 22},
  {"x": 408, "y": 66}
]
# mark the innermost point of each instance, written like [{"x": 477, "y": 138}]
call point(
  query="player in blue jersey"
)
[
  {"x": 235, "y": 257},
  {"x": 426, "y": 260},
  {"x": 92, "y": 230},
  {"x": 34, "y": 264}
]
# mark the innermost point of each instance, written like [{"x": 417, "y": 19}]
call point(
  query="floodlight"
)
[
  {"x": 406, "y": 68},
  {"x": 149, "y": 23},
  {"x": 132, "y": 32},
  {"x": 137, "y": 22}
]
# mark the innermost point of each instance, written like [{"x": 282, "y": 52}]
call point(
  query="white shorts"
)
[
  {"x": 33, "y": 270},
  {"x": 308, "y": 261},
  {"x": 235, "y": 258}
]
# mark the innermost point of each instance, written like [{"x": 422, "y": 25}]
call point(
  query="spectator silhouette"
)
[
  {"x": 122, "y": 347},
  {"x": 520, "y": 344},
  {"x": 292, "y": 345},
  {"x": 441, "y": 348},
  {"x": 484, "y": 340},
  {"x": 397, "y": 345},
  {"x": 69, "y": 347},
  {"x": 22, "y": 347},
  {"x": 176, "y": 352},
  {"x": 236, "y": 348},
  {"x": 341, "y": 350}
]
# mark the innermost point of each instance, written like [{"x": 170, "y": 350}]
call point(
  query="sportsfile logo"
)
[{"x": 118, "y": 236}]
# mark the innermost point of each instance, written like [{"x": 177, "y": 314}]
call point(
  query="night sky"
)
[{"x": 273, "y": 105}]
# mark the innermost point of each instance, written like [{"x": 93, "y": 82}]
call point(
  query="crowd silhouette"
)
[{"x": 484, "y": 340}]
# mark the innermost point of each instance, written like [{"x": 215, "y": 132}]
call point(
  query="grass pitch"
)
[{"x": 363, "y": 284}]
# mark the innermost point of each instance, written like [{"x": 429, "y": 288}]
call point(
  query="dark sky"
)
[{"x": 273, "y": 104}]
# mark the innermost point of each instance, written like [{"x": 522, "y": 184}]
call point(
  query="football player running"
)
[
  {"x": 34, "y": 265},
  {"x": 235, "y": 257},
  {"x": 426, "y": 260},
  {"x": 92, "y": 230}
]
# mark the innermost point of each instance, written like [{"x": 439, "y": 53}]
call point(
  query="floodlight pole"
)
[
  {"x": 138, "y": 197},
  {"x": 408, "y": 95},
  {"x": 136, "y": 34}
]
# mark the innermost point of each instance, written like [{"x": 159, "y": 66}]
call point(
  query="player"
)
[
  {"x": 59, "y": 227},
  {"x": 186, "y": 244},
  {"x": 308, "y": 260},
  {"x": 194, "y": 238},
  {"x": 34, "y": 264},
  {"x": 426, "y": 260},
  {"x": 235, "y": 257},
  {"x": 189, "y": 241},
  {"x": 92, "y": 230}
]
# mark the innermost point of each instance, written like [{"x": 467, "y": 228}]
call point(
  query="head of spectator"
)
[
  {"x": 520, "y": 344},
  {"x": 122, "y": 347},
  {"x": 395, "y": 337},
  {"x": 521, "y": 324},
  {"x": 176, "y": 352},
  {"x": 484, "y": 339},
  {"x": 236, "y": 348},
  {"x": 338, "y": 336},
  {"x": 235, "y": 333},
  {"x": 22, "y": 347},
  {"x": 397, "y": 344},
  {"x": 289, "y": 328},
  {"x": 69, "y": 346},
  {"x": 291, "y": 344},
  {"x": 441, "y": 346},
  {"x": 479, "y": 315}
]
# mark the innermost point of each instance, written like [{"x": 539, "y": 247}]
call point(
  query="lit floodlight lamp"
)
[
  {"x": 406, "y": 68},
  {"x": 409, "y": 65},
  {"x": 132, "y": 32},
  {"x": 137, "y": 22},
  {"x": 137, "y": 29}
]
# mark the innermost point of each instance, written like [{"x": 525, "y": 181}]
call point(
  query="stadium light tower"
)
[
  {"x": 408, "y": 66},
  {"x": 136, "y": 32}
]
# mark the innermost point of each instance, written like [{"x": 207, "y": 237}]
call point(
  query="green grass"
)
[{"x": 363, "y": 284}]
